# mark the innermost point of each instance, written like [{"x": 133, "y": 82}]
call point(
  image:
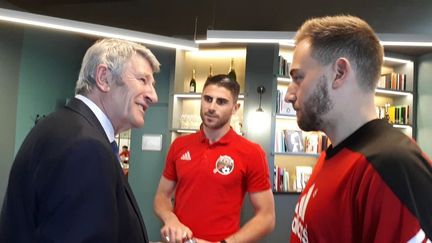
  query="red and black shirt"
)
[{"x": 375, "y": 186}]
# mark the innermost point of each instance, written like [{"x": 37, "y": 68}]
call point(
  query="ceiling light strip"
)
[
  {"x": 234, "y": 36},
  {"x": 400, "y": 39},
  {"x": 287, "y": 38},
  {"x": 406, "y": 43},
  {"x": 94, "y": 29}
]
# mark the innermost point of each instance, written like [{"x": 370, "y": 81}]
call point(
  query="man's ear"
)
[
  {"x": 236, "y": 107},
  {"x": 101, "y": 78},
  {"x": 341, "y": 68}
]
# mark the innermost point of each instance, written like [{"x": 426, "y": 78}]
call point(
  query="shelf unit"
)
[
  {"x": 292, "y": 164},
  {"x": 185, "y": 106},
  {"x": 186, "y": 114},
  {"x": 398, "y": 102}
]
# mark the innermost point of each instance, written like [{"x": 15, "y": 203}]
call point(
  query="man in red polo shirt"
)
[{"x": 211, "y": 171}]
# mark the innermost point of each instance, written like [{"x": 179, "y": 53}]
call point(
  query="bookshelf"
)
[
  {"x": 295, "y": 152},
  {"x": 185, "y": 106},
  {"x": 394, "y": 96}
]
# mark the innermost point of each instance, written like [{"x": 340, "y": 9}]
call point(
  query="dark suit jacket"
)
[{"x": 66, "y": 185}]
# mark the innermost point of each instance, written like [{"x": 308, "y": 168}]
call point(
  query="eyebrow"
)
[
  {"x": 215, "y": 98},
  {"x": 222, "y": 99}
]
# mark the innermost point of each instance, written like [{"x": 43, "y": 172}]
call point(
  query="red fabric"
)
[
  {"x": 124, "y": 153},
  {"x": 346, "y": 200},
  {"x": 208, "y": 202}
]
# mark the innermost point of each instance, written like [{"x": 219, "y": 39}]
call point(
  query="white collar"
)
[{"x": 103, "y": 119}]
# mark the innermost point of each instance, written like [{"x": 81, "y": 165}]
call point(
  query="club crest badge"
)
[{"x": 224, "y": 165}]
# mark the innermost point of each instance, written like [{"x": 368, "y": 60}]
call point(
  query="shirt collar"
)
[
  {"x": 225, "y": 139},
  {"x": 103, "y": 119}
]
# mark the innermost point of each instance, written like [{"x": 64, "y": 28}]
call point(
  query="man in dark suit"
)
[{"x": 66, "y": 183}]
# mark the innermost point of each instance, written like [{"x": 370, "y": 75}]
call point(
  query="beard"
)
[
  {"x": 215, "y": 122},
  {"x": 316, "y": 107}
]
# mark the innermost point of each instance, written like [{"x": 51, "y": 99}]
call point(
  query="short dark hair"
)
[
  {"x": 222, "y": 80},
  {"x": 125, "y": 147},
  {"x": 332, "y": 37}
]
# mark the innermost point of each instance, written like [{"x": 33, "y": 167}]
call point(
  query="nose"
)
[
  {"x": 152, "y": 96},
  {"x": 290, "y": 95},
  {"x": 212, "y": 105}
]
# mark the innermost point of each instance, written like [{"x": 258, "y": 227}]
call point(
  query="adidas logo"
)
[{"x": 186, "y": 156}]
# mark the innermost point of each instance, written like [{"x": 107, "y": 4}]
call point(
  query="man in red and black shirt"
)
[
  {"x": 211, "y": 171},
  {"x": 373, "y": 184}
]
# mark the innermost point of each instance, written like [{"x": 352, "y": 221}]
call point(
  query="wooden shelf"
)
[
  {"x": 284, "y": 79},
  {"x": 286, "y": 116},
  {"x": 392, "y": 93},
  {"x": 183, "y": 130}
]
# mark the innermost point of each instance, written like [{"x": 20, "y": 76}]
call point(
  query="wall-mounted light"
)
[
  {"x": 260, "y": 91},
  {"x": 258, "y": 121}
]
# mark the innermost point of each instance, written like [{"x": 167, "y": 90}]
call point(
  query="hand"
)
[{"x": 176, "y": 232}]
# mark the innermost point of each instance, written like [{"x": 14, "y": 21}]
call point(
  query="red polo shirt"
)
[{"x": 212, "y": 180}]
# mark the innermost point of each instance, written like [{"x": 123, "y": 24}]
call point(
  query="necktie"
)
[{"x": 115, "y": 149}]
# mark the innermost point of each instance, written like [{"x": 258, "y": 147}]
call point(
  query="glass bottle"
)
[
  {"x": 210, "y": 72},
  {"x": 192, "y": 83},
  {"x": 231, "y": 72}
]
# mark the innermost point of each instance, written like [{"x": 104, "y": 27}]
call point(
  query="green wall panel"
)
[
  {"x": 10, "y": 52},
  {"x": 49, "y": 69},
  {"x": 424, "y": 112}
]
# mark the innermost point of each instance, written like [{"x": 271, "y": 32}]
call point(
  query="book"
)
[
  {"x": 294, "y": 141},
  {"x": 382, "y": 82},
  {"x": 392, "y": 116},
  {"x": 395, "y": 81},
  {"x": 281, "y": 178},
  {"x": 275, "y": 178},
  {"x": 287, "y": 109},
  {"x": 285, "y": 180},
  {"x": 311, "y": 142},
  {"x": 380, "y": 110},
  {"x": 324, "y": 143},
  {"x": 284, "y": 66},
  {"x": 282, "y": 107},
  {"x": 303, "y": 174}
]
